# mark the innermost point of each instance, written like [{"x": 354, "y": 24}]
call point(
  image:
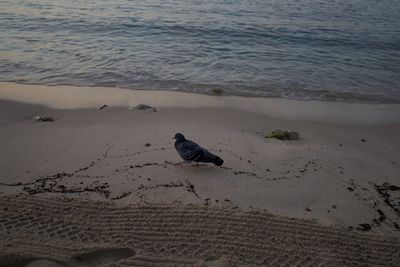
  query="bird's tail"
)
[
  {"x": 210, "y": 157},
  {"x": 218, "y": 161}
]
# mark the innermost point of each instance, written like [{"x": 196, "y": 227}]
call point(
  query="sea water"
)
[{"x": 341, "y": 50}]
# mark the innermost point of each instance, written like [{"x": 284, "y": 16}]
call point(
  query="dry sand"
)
[{"x": 334, "y": 193}]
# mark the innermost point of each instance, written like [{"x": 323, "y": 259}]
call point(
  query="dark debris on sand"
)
[{"x": 385, "y": 191}]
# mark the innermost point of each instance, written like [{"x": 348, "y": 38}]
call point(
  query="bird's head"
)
[{"x": 179, "y": 137}]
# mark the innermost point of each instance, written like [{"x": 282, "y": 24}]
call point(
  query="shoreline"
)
[
  {"x": 73, "y": 97},
  {"x": 223, "y": 92}
]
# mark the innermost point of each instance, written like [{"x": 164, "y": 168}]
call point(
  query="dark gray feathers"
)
[{"x": 192, "y": 152}]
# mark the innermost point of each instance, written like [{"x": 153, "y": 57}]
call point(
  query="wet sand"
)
[{"x": 340, "y": 179}]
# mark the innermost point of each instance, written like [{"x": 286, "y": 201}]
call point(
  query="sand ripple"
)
[{"x": 78, "y": 233}]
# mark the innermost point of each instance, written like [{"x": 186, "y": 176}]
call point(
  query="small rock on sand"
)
[
  {"x": 143, "y": 107},
  {"x": 217, "y": 91},
  {"x": 103, "y": 107},
  {"x": 42, "y": 118}
]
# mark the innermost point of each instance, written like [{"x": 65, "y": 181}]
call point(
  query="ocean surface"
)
[{"x": 341, "y": 50}]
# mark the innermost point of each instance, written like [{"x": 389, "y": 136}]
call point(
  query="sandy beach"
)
[{"x": 100, "y": 186}]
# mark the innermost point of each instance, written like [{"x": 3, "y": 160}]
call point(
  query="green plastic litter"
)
[
  {"x": 283, "y": 135},
  {"x": 278, "y": 134}
]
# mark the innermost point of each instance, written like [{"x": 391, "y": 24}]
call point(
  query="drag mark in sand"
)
[
  {"x": 50, "y": 184},
  {"x": 292, "y": 168},
  {"x": 104, "y": 155},
  {"x": 67, "y": 231},
  {"x": 109, "y": 166},
  {"x": 132, "y": 154},
  {"x": 42, "y": 180},
  {"x": 189, "y": 187}
]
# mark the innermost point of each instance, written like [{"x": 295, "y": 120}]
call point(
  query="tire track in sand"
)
[{"x": 78, "y": 233}]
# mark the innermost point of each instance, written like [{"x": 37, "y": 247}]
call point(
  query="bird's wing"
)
[
  {"x": 189, "y": 150},
  {"x": 209, "y": 157}
]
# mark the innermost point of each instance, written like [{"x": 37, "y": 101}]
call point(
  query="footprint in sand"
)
[
  {"x": 98, "y": 257},
  {"x": 104, "y": 256},
  {"x": 43, "y": 263}
]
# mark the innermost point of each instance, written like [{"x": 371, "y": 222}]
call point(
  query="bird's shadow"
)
[{"x": 195, "y": 167}]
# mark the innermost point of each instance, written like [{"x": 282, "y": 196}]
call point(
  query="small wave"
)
[{"x": 324, "y": 50}]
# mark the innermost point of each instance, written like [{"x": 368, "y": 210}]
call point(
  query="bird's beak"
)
[{"x": 174, "y": 137}]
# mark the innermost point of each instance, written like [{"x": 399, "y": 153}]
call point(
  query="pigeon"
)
[{"x": 192, "y": 152}]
